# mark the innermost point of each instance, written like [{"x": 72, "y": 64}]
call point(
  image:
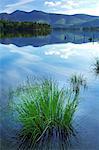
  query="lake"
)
[{"x": 59, "y": 55}]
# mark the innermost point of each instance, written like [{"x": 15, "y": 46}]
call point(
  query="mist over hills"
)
[{"x": 55, "y": 20}]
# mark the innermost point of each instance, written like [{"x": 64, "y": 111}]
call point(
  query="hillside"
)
[{"x": 56, "y": 20}]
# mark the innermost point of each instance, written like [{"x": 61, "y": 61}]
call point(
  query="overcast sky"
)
[{"x": 90, "y": 7}]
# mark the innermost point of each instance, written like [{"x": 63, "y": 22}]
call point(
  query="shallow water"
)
[{"x": 58, "y": 57}]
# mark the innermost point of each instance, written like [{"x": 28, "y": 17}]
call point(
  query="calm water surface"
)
[{"x": 21, "y": 57}]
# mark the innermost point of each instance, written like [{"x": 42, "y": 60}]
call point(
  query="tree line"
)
[{"x": 30, "y": 28}]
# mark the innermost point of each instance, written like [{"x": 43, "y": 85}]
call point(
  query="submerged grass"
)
[
  {"x": 43, "y": 107},
  {"x": 77, "y": 83},
  {"x": 96, "y": 66}
]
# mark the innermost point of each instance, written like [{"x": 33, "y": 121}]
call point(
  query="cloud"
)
[
  {"x": 21, "y": 3},
  {"x": 88, "y": 11},
  {"x": 71, "y": 50},
  {"x": 73, "y": 7},
  {"x": 25, "y": 56},
  {"x": 63, "y": 4},
  {"x": 64, "y": 53},
  {"x": 52, "y": 4}
]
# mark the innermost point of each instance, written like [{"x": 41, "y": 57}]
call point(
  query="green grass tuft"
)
[{"x": 43, "y": 106}]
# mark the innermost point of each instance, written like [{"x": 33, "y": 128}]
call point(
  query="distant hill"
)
[
  {"x": 92, "y": 23},
  {"x": 56, "y": 20}
]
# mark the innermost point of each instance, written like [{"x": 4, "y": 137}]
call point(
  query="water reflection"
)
[
  {"x": 38, "y": 39},
  {"x": 60, "y": 61},
  {"x": 96, "y": 67}
]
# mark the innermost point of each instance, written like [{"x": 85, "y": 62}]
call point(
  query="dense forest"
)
[{"x": 12, "y": 29}]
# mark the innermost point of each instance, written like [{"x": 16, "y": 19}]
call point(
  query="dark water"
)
[
  {"x": 56, "y": 37},
  {"x": 60, "y": 55}
]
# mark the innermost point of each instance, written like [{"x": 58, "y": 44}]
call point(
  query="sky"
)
[{"x": 90, "y": 7}]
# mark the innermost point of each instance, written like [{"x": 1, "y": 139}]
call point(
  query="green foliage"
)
[
  {"x": 42, "y": 105},
  {"x": 18, "y": 29}
]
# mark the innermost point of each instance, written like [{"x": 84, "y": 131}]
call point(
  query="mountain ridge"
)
[{"x": 56, "y": 20}]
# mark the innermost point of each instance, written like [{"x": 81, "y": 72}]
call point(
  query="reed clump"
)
[
  {"x": 43, "y": 106},
  {"x": 96, "y": 66}
]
